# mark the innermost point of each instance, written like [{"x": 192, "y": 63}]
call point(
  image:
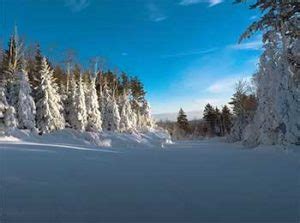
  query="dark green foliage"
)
[
  {"x": 182, "y": 121},
  {"x": 12, "y": 58},
  {"x": 275, "y": 14},
  {"x": 226, "y": 120},
  {"x": 243, "y": 101},
  {"x": 209, "y": 115},
  {"x": 124, "y": 83},
  {"x": 34, "y": 69},
  {"x": 13, "y": 61},
  {"x": 138, "y": 93}
]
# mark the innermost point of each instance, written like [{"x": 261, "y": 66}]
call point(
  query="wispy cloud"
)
[
  {"x": 77, "y": 5},
  {"x": 253, "y": 45},
  {"x": 254, "y": 17},
  {"x": 194, "y": 2},
  {"x": 191, "y": 53},
  {"x": 155, "y": 13},
  {"x": 226, "y": 85}
]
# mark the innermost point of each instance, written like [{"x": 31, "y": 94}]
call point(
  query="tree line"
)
[{"x": 215, "y": 122}]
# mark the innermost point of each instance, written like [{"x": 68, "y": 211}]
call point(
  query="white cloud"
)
[
  {"x": 77, "y": 5},
  {"x": 194, "y": 2},
  {"x": 155, "y": 14}
]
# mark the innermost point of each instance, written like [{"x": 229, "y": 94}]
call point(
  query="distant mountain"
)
[{"x": 191, "y": 115}]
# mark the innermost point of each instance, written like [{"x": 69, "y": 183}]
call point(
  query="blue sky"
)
[{"x": 185, "y": 51}]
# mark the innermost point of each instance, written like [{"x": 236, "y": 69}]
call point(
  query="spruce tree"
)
[
  {"x": 126, "y": 122},
  {"x": 218, "y": 122},
  {"x": 80, "y": 119},
  {"x": 12, "y": 63},
  {"x": 69, "y": 104},
  {"x": 25, "y": 106},
  {"x": 110, "y": 110},
  {"x": 209, "y": 115},
  {"x": 277, "y": 117},
  {"x": 34, "y": 76},
  {"x": 10, "y": 117},
  {"x": 94, "y": 121},
  {"x": 182, "y": 121},
  {"x": 226, "y": 120},
  {"x": 138, "y": 94},
  {"x": 148, "y": 122},
  {"x": 277, "y": 15},
  {"x": 49, "y": 106}
]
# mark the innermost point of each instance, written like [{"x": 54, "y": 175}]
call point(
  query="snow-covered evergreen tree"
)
[
  {"x": 94, "y": 121},
  {"x": 25, "y": 104},
  {"x": 69, "y": 103},
  {"x": 34, "y": 76},
  {"x": 126, "y": 122},
  {"x": 244, "y": 106},
  {"x": 48, "y": 107},
  {"x": 79, "y": 121},
  {"x": 277, "y": 118},
  {"x": 277, "y": 115},
  {"x": 10, "y": 117},
  {"x": 13, "y": 61},
  {"x": 7, "y": 112},
  {"x": 114, "y": 123},
  {"x": 148, "y": 122},
  {"x": 110, "y": 111},
  {"x": 3, "y": 101}
]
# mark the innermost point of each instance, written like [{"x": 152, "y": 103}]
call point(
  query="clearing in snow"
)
[{"x": 199, "y": 181}]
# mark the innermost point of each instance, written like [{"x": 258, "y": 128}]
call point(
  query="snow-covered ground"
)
[{"x": 58, "y": 178}]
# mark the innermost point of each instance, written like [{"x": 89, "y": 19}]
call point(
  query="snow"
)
[
  {"x": 9, "y": 139},
  {"x": 62, "y": 177}
]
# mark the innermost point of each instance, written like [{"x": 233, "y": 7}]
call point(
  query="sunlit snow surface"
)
[{"x": 193, "y": 181}]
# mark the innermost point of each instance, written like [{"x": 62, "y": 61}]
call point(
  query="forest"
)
[{"x": 42, "y": 97}]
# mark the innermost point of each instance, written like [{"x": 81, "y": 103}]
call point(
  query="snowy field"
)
[{"x": 200, "y": 181}]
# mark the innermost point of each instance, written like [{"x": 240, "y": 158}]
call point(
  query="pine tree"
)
[
  {"x": 34, "y": 76},
  {"x": 182, "y": 121},
  {"x": 244, "y": 106},
  {"x": 277, "y": 117},
  {"x": 25, "y": 107},
  {"x": 3, "y": 101},
  {"x": 12, "y": 63},
  {"x": 110, "y": 111},
  {"x": 80, "y": 119},
  {"x": 48, "y": 107},
  {"x": 3, "y": 104},
  {"x": 10, "y": 117},
  {"x": 94, "y": 121},
  {"x": 126, "y": 122},
  {"x": 69, "y": 104},
  {"x": 218, "y": 122},
  {"x": 138, "y": 94},
  {"x": 148, "y": 122},
  {"x": 210, "y": 117},
  {"x": 275, "y": 15},
  {"x": 226, "y": 120}
]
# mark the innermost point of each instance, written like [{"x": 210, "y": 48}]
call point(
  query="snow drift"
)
[{"x": 154, "y": 138}]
